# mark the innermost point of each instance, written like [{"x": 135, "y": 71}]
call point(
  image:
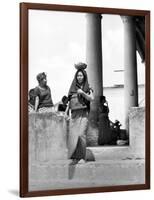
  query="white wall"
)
[{"x": 9, "y": 96}]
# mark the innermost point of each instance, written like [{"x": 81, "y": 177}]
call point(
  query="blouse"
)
[{"x": 45, "y": 99}]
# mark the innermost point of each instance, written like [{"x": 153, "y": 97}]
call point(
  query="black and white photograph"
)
[{"x": 86, "y": 100}]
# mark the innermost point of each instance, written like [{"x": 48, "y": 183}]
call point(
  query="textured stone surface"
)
[
  {"x": 47, "y": 137},
  {"x": 92, "y": 136},
  {"x": 90, "y": 174},
  {"x": 49, "y": 167},
  {"x": 137, "y": 130}
]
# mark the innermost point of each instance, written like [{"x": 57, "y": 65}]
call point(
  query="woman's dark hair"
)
[
  {"x": 102, "y": 99},
  {"x": 65, "y": 99}
]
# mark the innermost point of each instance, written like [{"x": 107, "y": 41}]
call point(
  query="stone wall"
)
[
  {"x": 137, "y": 130},
  {"x": 47, "y": 137}
]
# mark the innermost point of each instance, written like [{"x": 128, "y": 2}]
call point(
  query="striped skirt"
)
[
  {"x": 78, "y": 127},
  {"x": 40, "y": 110}
]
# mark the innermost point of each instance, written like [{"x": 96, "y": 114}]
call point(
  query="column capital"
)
[
  {"x": 95, "y": 15},
  {"x": 127, "y": 19}
]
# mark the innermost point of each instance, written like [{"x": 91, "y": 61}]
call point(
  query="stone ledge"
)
[
  {"x": 112, "y": 153},
  {"x": 90, "y": 174}
]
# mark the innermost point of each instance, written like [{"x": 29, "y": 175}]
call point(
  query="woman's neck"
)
[{"x": 42, "y": 86}]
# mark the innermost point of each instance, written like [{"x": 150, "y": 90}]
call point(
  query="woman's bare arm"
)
[
  {"x": 36, "y": 103},
  {"x": 89, "y": 97},
  {"x": 67, "y": 109}
]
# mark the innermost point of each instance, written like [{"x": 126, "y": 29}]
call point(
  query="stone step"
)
[
  {"x": 62, "y": 174},
  {"x": 101, "y": 153}
]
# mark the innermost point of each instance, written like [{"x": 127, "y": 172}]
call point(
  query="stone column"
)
[
  {"x": 94, "y": 70},
  {"x": 130, "y": 66},
  {"x": 94, "y": 59}
]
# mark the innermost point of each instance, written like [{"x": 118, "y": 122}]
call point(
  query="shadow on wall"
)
[
  {"x": 72, "y": 165},
  {"x": 14, "y": 192}
]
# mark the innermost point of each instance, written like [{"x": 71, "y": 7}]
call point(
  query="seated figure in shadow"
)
[
  {"x": 122, "y": 138},
  {"x": 63, "y": 104},
  {"x": 106, "y": 135}
]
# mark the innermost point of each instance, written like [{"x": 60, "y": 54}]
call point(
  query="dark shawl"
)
[{"x": 85, "y": 87}]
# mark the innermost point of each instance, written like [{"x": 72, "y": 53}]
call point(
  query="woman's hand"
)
[
  {"x": 89, "y": 97},
  {"x": 79, "y": 91}
]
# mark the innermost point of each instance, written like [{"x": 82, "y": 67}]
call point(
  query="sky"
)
[{"x": 57, "y": 40}]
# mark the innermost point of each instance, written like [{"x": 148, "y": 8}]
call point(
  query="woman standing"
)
[
  {"x": 80, "y": 95},
  {"x": 40, "y": 97}
]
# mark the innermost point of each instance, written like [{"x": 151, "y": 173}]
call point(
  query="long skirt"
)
[{"x": 78, "y": 127}]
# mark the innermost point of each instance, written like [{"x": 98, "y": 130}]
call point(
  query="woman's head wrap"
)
[{"x": 41, "y": 76}]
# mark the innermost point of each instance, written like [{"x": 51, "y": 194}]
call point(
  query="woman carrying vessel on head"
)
[{"x": 80, "y": 95}]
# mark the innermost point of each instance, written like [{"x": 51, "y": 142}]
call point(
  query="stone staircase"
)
[
  {"x": 62, "y": 174},
  {"x": 50, "y": 169}
]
